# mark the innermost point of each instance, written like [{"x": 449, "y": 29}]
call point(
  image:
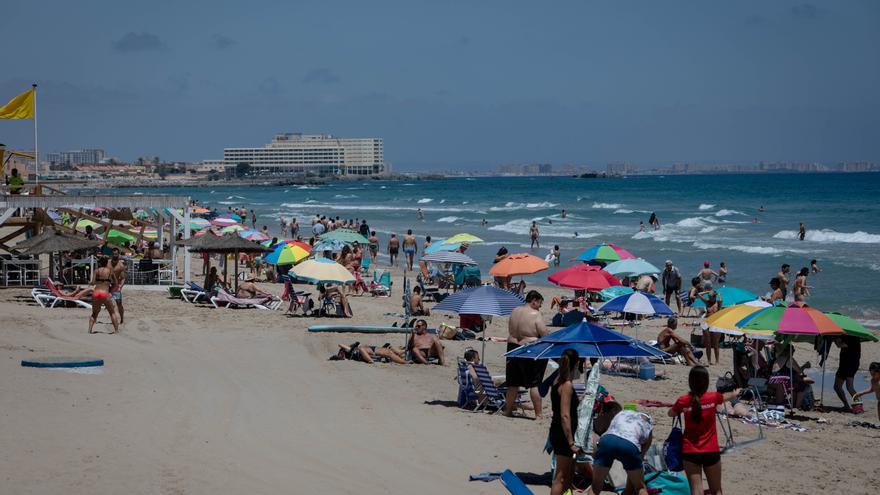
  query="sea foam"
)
[{"x": 828, "y": 235}]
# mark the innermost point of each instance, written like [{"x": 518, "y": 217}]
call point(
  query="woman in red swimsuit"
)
[{"x": 103, "y": 281}]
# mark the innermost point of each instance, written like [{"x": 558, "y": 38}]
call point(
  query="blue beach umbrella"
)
[
  {"x": 482, "y": 300},
  {"x": 612, "y": 292},
  {"x": 637, "y": 303},
  {"x": 730, "y": 296},
  {"x": 328, "y": 245},
  {"x": 636, "y": 266},
  {"x": 590, "y": 341},
  {"x": 438, "y": 246}
]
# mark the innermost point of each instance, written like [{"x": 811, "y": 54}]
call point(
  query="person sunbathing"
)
[
  {"x": 365, "y": 353},
  {"x": 672, "y": 343},
  {"x": 417, "y": 304},
  {"x": 424, "y": 345},
  {"x": 337, "y": 296},
  {"x": 249, "y": 290}
]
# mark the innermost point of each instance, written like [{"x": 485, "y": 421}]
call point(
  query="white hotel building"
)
[{"x": 319, "y": 154}]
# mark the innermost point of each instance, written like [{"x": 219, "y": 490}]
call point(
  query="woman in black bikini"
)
[
  {"x": 103, "y": 280},
  {"x": 564, "y": 423}
]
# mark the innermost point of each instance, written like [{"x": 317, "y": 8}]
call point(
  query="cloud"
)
[
  {"x": 221, "y": 42},
  {"x": 139, "y": 42},
  {"x": 321, "y": 75},
  {"x": 805, "y": 11}
]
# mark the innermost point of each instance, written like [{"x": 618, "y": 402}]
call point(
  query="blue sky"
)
[{"x": 451, "y": 84}]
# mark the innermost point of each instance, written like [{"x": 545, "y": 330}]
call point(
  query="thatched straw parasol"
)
[
  {"x": 225, "y": 244},
  {"x": 55, "y": 241}
]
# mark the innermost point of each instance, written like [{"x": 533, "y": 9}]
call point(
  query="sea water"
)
[{"x": 702, "y": 218}]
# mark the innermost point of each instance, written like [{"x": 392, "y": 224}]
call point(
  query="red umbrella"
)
[{"x": 585, "y": 277}]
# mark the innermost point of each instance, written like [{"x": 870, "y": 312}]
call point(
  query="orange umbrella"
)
[{"x": 518, "y": 264}]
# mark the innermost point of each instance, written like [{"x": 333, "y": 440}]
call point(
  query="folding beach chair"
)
[
  {"x": 686, "y": 303},
  {"x": 730, "y": 443},
  {"x": 467, "y": 393},
  {"x": 494, "y": 397}
]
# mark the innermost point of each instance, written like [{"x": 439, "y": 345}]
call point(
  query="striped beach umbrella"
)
[
  {"x": 725, "y": 321},
  {"x": 223, "y": 222},
  {"x": 482, "y": 300},
  {"x": 852, "y": 327},
  {"x": 612, "y": 292},
  {"x": 795, "y": 320},
  {"x": 449, "y": 257},
  {"x": 637, "y": 303},
  {"x": 288, "y": 254},
  {"x": 605, "y": 253}
]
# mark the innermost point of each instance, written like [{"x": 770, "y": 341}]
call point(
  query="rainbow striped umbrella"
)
[
  {"x": 288, "y": 253},
  {"x": 605, "y": 253},
  {"x": 795, "y": 320},
  {"x": 725, "y": 321}
]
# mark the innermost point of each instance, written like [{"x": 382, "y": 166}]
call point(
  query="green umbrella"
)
[
  {"x": 118, "y": 237},
  {"x": 852, "y": 327},
  {"x": 344, "y": 235}
]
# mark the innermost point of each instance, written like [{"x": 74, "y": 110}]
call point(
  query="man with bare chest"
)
[
  {"x": 117, "y": 266},
  {"x": 425, "y": 345},
  {"x": 526, "y": 325}
]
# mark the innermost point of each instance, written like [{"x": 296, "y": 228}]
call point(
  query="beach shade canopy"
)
[
  {"x": 322, "y": 270},
  {"x": 462, "y": 239},
  {"x": 453, "y": 257},
  {"x": 198, "y": 224},
  {"x": 795, "y": 320},
  {"x": 630, "y": 267},
  {"x": 584, "y": 277},
  {"x": 518, "y": 264},
  {"x": 482, "y": 300},
  {"x": 438, "y": 246},
  {"x": 223, "y": 222},
  {"x": 852, "y": 327},
  {"x": 730, "y": 296},
  {"x": 344, "y": 235},
  {"x": 725, "y": 321},
  {"x": 119, "y": 237},
  {"x": 288, "y": 254},
  {"x": 590, "y": 341},
  {"x": 637, "y": 303},
  {"x": 612, "y": 292},
  {"x": 55, "y": 241},
  {"x": 228, "y": 243},
  {"x": 328, "y": 245},
  {"x": 606, "y": 253}
]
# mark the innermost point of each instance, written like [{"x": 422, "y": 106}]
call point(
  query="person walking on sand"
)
[
  {"x": 533, "y": 233},
  {"x": 117, "y": 265},
  {"x": 802, "y": 231},
  {"x": 526, "y": 324},
  {"x": 671, "y": 279},
  {"x": 410, "y": 247},
  {"x": 393, "y": 249},
  {"x": 253, "y": 219},
  {"x": 102, "y": 280}
]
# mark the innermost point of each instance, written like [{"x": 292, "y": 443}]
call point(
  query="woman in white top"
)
[{"x": 625, "y": 439}]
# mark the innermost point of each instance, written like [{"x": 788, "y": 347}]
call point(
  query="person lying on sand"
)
[
  {"x": 425, "y": 345},
  {"x": 361, "y": 352}
]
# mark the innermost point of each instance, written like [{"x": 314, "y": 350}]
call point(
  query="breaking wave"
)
[{"x": 828, "y": 235}]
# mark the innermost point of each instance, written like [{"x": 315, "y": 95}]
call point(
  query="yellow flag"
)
[{"x": 20, "y": 107}]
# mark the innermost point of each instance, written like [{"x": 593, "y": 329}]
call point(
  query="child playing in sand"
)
[{"x": 874, "y": 369}]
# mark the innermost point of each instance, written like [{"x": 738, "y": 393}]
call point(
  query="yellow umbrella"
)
[
  {"x": 462, "y": 238},
  {"x": 724, "y": 321},
  {"x": 322, "y": 270}
]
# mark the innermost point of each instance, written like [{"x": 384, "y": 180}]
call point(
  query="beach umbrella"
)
[
  {"x": 638, "y": 303},
  {"x": 730, "y": 296},
  {"x": 231, "y": 216},
  {"x": 437, "y": 246},
  {"x": 518, "y": 264},
  {"x": 53, "y": 215},
  {"x": 583, "y": 277},
  {"x": 198, "y": 223},
  {"x": 725, "y": 320},
  {"x": 82, "y": 223},
  {"x": 225, "y": 244},
  {"x": 254, "y": 236},
  {"x": 54, "y": 241},
  {"x": 612, "y": 292},
  {"x": 119, "y": 237},
  {"x": 605, "y": 253},
  {"x": 852, "y": 327},
  {"x": 481, "y": 300},
  {"x": 328, "y": 245},
  {"x": 796, "y": 319},
  {"x": 198, "y": 210},
  {"x": 223, "y": 222},
  {"x": 462, "y": 239},
  {"x": 288, "y": 254},
  {"x": 449, "y": 257},
  {"x": 630, "y": 267},
  {"x": 232, "y": 228},
  {"x": 322, "y": 270},
  {"x": 590, "y": 341},
  {"x": 344, "y": 235}
]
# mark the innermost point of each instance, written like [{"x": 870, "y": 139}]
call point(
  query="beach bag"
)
[
  {"x": 667, "y": 483},
  {"x": 725, "y": 383},
  {"x": 672, "y": 447},
  {"x": 447, "y": 332}
]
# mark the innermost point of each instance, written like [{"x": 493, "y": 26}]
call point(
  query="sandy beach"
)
[{"x": 194, "y": 399}]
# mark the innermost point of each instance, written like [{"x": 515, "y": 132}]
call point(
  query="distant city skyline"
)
[{"x": 457, "y": 85}]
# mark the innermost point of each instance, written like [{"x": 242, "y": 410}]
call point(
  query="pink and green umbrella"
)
[
  {"x": 606, "y": 253},
  {"x": 796, "y": 320}
]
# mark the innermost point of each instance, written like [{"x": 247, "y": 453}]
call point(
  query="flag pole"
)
[{"x": 36, "y": 149}]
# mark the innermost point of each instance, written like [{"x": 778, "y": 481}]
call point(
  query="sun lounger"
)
[
  {"x": 227, "y": 300},
  {"x": 54, "y": 296},
  {"x": 194, "y": 293}
]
